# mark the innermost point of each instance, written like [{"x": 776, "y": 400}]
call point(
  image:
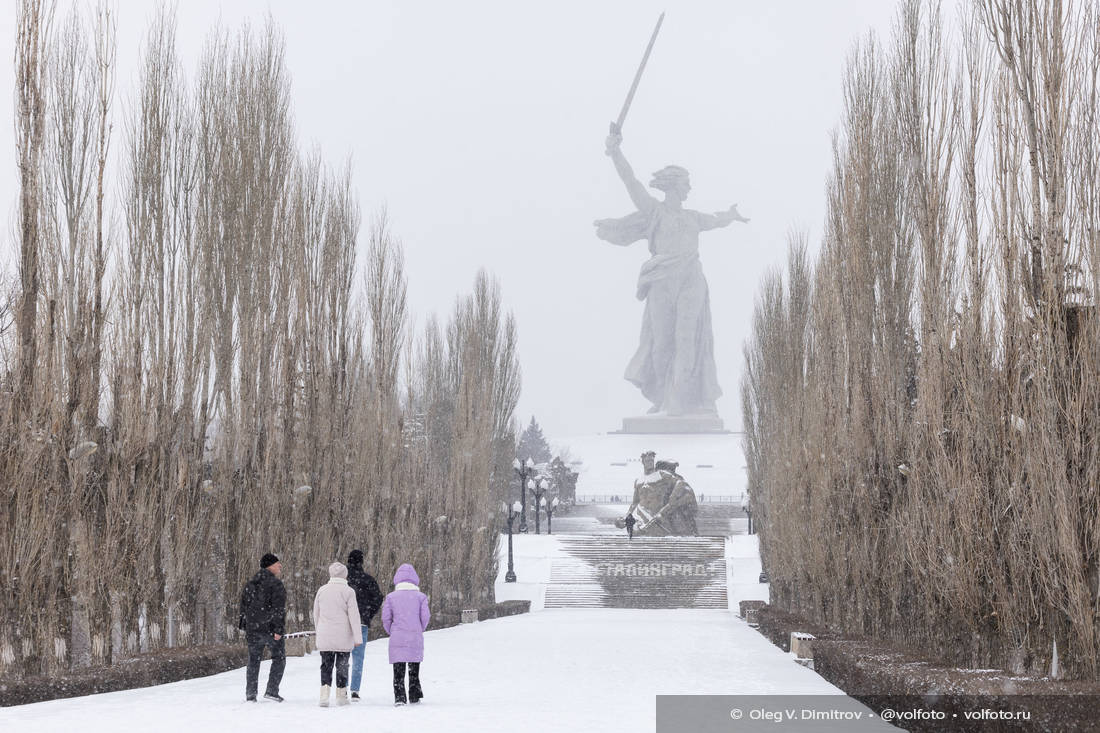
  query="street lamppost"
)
[
  {"x": 522, "y": 470},
  {"x": 510, "y": 576},
  {"x": 549, "y": 509},
  {"x": 538, "y": 490}
]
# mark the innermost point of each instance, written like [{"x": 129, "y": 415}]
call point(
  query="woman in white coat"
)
[{"x": 336, "y": 618}]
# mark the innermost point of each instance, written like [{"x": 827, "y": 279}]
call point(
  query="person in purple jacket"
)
[{"x": 405, "y": 616}]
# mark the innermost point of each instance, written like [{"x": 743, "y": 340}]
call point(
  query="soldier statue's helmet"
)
[
  {"x": 669, "y": 466},
  {"x": 649, "y": 454}
]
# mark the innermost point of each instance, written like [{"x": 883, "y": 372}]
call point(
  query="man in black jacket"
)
[
  {"x": 369, "y": 599},
  {"x": 263, "y": 615}
]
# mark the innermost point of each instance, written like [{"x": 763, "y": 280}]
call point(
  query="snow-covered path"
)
[
  {"x": 550, "y": 670},
  {"x": 555, "y": 670}
]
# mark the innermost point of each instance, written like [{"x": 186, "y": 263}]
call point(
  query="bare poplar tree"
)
[
  {"x": 30, "y": 84},
  {"x": 69, "y": 178},
  {"x": 940, "y": 432},
  {"x": 255, "y": 403}
]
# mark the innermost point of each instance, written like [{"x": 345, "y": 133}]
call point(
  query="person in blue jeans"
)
[{"x": 369, "y": 598}]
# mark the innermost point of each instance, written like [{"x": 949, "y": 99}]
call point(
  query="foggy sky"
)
[{"x": 479, "y": 126}]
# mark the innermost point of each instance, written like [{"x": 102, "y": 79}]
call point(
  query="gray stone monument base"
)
[{"x": 673, "y": 424}]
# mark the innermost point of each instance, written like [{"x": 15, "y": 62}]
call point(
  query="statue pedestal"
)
[{"x": 659, "y": 424}]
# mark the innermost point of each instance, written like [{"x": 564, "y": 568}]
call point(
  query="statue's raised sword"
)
[{"x": 617, "y": 126}]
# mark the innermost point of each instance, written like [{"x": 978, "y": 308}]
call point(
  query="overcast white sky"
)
[{"x": 479, "y": 125}]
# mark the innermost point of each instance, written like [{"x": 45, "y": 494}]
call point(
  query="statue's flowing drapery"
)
[{"x": 674, "y": 364}]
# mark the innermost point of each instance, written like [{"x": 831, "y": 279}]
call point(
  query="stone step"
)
[
  {"x": 595, "y": 553},
  {"x": 673, "y": 564},
  {"x": 599, "y": 571},
  {"x": 679, "y": 570},
  {"x": 580, "y": 600},
  {"x": 624, "y": 584},
  {"x": 682, "y": 597},
  {"x": 638, "y": 539},
  {"x": 577, "y": 592},
  {"x": 642, "y": 553},
  {"x": 645, "y": 551},
  {"x": 644, "y": 546},
  {"x": 647, "y": 602}
]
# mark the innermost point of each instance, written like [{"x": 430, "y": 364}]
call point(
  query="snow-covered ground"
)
[
  {"x": 554, "y": 670},
  {"x": 609, "y": 463},
  {"x": 743, "y": 570},
  {"x": 532, "y": 556}
]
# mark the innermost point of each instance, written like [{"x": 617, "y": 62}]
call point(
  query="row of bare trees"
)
[
  {"x": 921, "y": 403},
  {"x": 201, "y": 371}
]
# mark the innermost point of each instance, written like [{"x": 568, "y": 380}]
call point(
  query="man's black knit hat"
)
[{"x": 268, "y": 560}]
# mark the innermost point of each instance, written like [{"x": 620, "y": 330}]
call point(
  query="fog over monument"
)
[{"x": 442, "y": 105}]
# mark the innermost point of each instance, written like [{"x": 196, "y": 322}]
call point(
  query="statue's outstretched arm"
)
[
  {"x": 720, "y": 219},
  {"x": 638, "y": 194}
]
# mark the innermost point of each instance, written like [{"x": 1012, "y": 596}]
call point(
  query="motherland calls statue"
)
[
  {"x": 674, "y": 364},
  {"x": 663, "y": 503}
]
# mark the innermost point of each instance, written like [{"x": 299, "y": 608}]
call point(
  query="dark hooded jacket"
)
[
  {"x": 263, "y": 605},
  {"x": 367, "y": 594}
]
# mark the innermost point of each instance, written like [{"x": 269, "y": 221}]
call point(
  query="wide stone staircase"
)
[
  {"x": 611, "y": 571},
  {"x": 721, "y": 520}
]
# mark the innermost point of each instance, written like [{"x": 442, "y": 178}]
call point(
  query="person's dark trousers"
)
[
  {"x": 341, "y": 661},
  {"x": 256, "y": 644},
  {"x": 415, "y": 693}
]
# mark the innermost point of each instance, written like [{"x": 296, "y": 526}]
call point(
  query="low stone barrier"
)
[
  {"x": 802, "y": 645},
  {"x": 300, "y": 643},
  {"x": 939, "y": 699},
  {"x": 749, "y": 610},
  {"x": 779, "y": 625},
  {"x": 444, "y": 620},
  {"x": 143, "y": 670}
]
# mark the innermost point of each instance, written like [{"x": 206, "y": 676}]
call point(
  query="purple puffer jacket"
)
[{"x": 405, "y": 615}]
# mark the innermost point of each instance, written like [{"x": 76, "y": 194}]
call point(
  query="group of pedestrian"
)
[{"x": 342, "y": 611}]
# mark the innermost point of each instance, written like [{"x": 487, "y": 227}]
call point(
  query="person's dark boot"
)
[
  {"x": 273, "y": 696},
  {"x": 399, "y": 684}
]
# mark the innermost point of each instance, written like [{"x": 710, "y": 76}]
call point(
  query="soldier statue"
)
[{"x": 663, "y": 503}]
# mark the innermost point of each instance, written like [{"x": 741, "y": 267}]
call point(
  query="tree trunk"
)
[{"x": 30, "y": 69}]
